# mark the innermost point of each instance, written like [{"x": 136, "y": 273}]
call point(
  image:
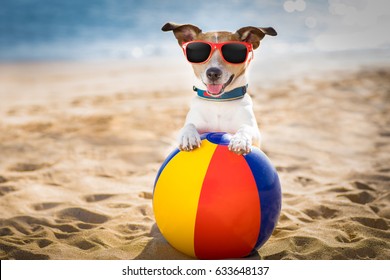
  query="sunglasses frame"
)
[{"x": 218, "y": 46}]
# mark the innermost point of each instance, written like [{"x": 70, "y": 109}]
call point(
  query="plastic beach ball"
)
[{"x": 213, "y": 204}]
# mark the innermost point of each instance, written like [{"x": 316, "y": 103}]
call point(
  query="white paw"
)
[
  {"x": 240, "y": 145},
  {"x": 189, "y": 138}
]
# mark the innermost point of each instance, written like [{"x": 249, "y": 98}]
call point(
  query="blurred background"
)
[{"x": 129, "y": 29}]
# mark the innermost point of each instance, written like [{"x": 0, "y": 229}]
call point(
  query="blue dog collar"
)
[{"x": 234, "y": 94}]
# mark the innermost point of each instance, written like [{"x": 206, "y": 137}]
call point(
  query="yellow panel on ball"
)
[{"x": 177, "y": 193}]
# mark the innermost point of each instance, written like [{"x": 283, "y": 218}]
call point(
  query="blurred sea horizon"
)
[{"x": 46, "y": 30}]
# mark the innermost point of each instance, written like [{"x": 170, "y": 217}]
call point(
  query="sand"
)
[{"x": 80, "y": 145}]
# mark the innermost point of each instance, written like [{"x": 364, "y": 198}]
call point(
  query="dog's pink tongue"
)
[{"x": 214, "y": 89}]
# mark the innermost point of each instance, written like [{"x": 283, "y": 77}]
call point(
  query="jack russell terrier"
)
[{"x": 220, "y": 60}]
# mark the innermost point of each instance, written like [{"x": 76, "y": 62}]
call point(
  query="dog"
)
[{"x": 220, "y": 60}]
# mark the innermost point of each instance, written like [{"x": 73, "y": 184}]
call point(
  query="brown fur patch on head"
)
[
  {"x": 188, "y": 32},
  {"x": 220, "y": 36}
]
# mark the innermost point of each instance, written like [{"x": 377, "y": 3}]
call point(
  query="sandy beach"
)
[{"x": 81, "y": 143}]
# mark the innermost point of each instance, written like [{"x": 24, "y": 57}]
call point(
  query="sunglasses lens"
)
[
  {"x": 234, "y": 53},
  {"x": 198, "y": 52}
]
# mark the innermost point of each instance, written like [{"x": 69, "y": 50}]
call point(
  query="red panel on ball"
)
[{"x": 228, "y": 217}]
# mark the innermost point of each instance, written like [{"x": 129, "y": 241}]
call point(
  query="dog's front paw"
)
[
  {"x": 189, "y": 138},
  {"x": 240, "y": 145}
]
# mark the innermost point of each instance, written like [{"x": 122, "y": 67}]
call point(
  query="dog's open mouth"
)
[{"x": 217, "y": 89}]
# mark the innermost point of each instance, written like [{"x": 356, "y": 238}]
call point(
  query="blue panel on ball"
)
[
  {"x": 219, "y": 138},
  {"x": 268, "y": 186}
]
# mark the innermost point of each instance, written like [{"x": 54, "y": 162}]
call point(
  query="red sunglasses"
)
[{"x": 232, "y": 52}]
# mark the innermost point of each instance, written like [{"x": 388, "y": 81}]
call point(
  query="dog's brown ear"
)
[
  {"x": 254, "y": 35},
  {"x": 183, "y": 32}
]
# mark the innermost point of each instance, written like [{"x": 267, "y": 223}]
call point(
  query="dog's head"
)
[{"x": 216, "y": 72}]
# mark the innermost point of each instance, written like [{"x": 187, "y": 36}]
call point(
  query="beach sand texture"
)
[{"x": 80, "y": 147}]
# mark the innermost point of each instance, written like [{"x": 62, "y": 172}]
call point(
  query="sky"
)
[{"x": 131, "y": 29}]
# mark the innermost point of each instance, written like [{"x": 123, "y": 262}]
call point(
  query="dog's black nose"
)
[{"x": 213, "y": 73}]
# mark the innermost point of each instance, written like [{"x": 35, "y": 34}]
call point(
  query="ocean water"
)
[{"x": 131, "y": 29}]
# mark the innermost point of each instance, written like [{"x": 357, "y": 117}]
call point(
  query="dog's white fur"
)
[{"x": 236, "y": 116}]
